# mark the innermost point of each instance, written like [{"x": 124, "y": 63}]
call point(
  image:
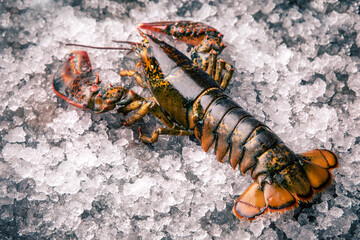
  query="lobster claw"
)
[
  {"x": 78, "y": 85},
  {"x": 75, "y": 79},
  {"x": 204, "y": 37}
]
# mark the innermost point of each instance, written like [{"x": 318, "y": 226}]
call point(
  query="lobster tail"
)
[{"x": 282, "y": 178}]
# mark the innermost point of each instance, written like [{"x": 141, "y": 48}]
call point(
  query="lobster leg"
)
[
  {"x": 143, "y": 106},
  {"x": 163, "y": 131},
  {"x": 149, "y": 105},
  {"x": 158, "y": 112},
  {"x": 229, "y": 70},
  {"x": 135, "y": 75},
  {"x": 214, "y": 67}
]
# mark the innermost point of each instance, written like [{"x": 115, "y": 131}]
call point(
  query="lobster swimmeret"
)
[{"x": 189, "y": 98}]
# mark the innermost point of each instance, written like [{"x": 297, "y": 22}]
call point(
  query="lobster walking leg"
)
[
  {"x": 149, "y": 106},
  {"x": 135, "y": 75},
  {"x": 164, "y": 131},
  {"x": 214, "y": 67},
  {"x": 220, "y": 65},
  {"x": 229, "y": 70},
  {"x": 144, "y": 106}
]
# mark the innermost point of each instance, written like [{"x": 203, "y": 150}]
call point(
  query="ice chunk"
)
[
  {"x": 322, "y": 207},
  {"x": 269, "y": 234},
  {"x": 82, "y": 157},
  {"x": 343, "y": 201},
  {"x": 306, "y": 233},
  {"x": 206, "y": 11},
  {"x": 291, "y": 228},
  {"x": 196, "y": 155},
  {"x": 140, "y": 188},
  {"x": 354, "y": 82},
  {"x": 257, "y": 227},
  {"x": 15, "y": 135},
  {"x": 64, "y": 179},
  {"x": 336, "y": 212},
  {"x": 122, "y": 142}
]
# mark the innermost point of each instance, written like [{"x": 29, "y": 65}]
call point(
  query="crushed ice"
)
[{"x": 69, "y": 173}]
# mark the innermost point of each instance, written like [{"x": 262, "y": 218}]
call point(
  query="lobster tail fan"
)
[
  {"x": 293, "y": 184},
  {"x": 251, "y": 203},
  {"x": 277, "y": 198},
  {"x": 294, "y": 179},
  {"x": 317, "y": 164},
  {"x": 319, "y": 177},
  {"x": 255, "y": 201},
  {"x": 321, "y": 157}
]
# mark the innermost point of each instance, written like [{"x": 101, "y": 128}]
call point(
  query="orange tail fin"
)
[
  {"x": 276, "y": 196},
  {"x": 251, "y": 203},
  {"x": 255, "y": 201},
  {"x": 317, "y": 164},
  {"x": 324, "y": 158}
]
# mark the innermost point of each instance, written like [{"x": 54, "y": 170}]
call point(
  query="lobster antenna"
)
[
  {"x": 95, "y": 47},
  {"x": 127, "y": 42}
]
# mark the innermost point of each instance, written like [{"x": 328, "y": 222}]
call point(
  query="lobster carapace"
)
[{"x": 188, "y": 97}]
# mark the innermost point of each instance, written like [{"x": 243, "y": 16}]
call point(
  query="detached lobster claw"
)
[
  {"x": 77, "y": 84},
  {"x": 204, "y": 38}
]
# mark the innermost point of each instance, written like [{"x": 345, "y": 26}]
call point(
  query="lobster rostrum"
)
[{"x": 189, "y": 98}]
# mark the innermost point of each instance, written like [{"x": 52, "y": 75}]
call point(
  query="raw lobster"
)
[{"x": 189, "y": 98}]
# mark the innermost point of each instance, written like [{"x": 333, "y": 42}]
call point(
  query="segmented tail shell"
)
[{"x": 282, "y": 178}]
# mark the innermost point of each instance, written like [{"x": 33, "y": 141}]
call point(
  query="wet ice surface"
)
[{"x": 66, "y": 173}]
